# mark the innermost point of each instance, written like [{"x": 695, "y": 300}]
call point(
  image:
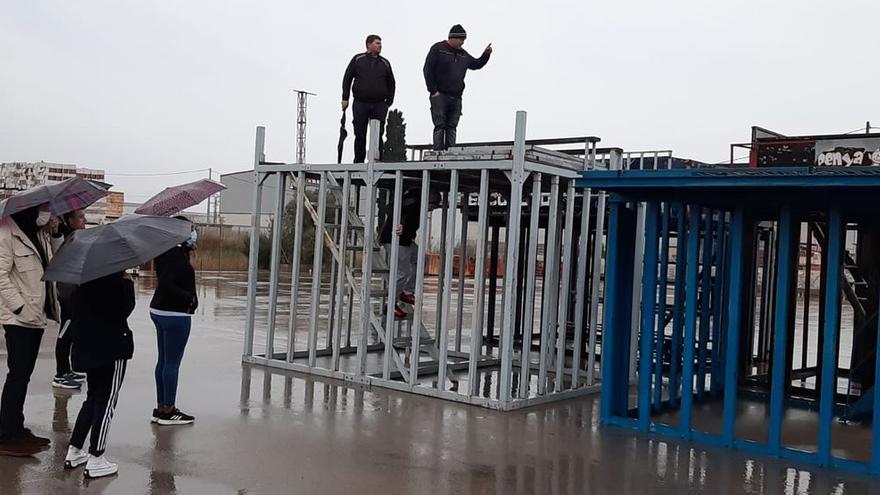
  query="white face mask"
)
[
  {"x": 193, "y": 238},
  {"x": 43, "y": 218}
]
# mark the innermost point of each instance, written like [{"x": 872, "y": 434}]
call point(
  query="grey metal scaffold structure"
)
[{"x": 340, "y": 318}]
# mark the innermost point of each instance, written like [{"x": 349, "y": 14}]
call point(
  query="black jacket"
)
[
  {"x": 409, "y": 218},
  {"x": 100, "y": 327},
  {"x": 176, "y": 287},
  {"x": 445, "y": 68},
  {"x": 373, "y": 79}
]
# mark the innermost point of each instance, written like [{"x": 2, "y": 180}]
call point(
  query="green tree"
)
[{"x": 395, "y": 138}]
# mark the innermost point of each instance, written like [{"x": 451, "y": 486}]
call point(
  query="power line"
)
[{"x": 200, "y": 170}]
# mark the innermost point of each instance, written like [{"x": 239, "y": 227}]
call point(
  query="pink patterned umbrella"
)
[
  {"x": 68, "y": 195},
  {"x": 175, "y": 199}
]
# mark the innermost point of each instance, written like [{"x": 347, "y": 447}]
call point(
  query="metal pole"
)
[
  {"x": 582, "y": 263},
  {"x": 517, "y": 177},
  {"x": 835, "y": 238},
  {"x": 596, "y": 285},
  {"x": 462, "y": 264},
  {"x": 340, "y": 273},
  {"x": 529, "y": 318},
  {"x": 424, "y": 230},
  {"x": 254, "y": 247},
  {"x": 443, "y": 330},
  {"x": 317, "y": 259},
  {"x": 275, "y": 266},
  {"x": 550, "y": 276},
  {"x": 479, "y": 283},
  {"x": 637, "y": 282},
  {"x": 393, "y": 264},
  {"x": 562, "y": 316},
  {"x": 295, "y": 263},
  {"x": 369, "y": 236}
]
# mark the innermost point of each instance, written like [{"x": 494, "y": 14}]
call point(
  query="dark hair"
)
[{"x": 373, "y": 37}]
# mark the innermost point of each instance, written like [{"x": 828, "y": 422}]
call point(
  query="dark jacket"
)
[
  {"x": 100, "y": 327},
  {"x": 176, "y": 287},
  {"x": 445, "y": 68},
  {"x": 373, "y": 79},
  {"x": 409, "y": 218}
]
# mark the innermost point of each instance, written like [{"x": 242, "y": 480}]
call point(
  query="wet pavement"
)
[{"x": 260, "y": 431}]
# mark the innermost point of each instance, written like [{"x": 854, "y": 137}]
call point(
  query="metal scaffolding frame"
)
[{"x": 344, "y": 326}]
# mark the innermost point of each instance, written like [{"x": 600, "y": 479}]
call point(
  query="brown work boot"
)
[
  {"x": 21, "y": 447},
  {"x": 29, "y": 436}
]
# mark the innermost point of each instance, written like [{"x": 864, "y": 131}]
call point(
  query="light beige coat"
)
[{"x": 21, "y": 278}]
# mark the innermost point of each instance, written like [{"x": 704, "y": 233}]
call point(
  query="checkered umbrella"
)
[
  {"x": 175, "y": 199},
  {"x": 71, "y": 194}
]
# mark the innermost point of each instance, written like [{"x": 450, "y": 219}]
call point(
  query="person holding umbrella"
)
[
  {"x": 26, "y": 303},
  {"x": 65, "y": 377},
  {"x": 96, "y": 261},
  {"x": 171, "y": 310},
  {"x": 374, "y": 88}
]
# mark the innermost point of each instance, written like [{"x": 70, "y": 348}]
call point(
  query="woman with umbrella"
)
[
  {"x": 26, "y": 302},
  {"x": 96, "y": 260},
  {"x": 173, "y": 303}
]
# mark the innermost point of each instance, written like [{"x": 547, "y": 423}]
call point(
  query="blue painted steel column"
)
[
  {"x": 661, "y": 309},
  {"x": 690, "y": 326},
  {"x": 618, "y": 311},
  {"x": 705, "y": 291},
  {"x": 735, "y": 291},
  {"x": 649, "y": 295},
  {"x": 789, "y": 233},
  {"x": 678, "y": 304},
  {"x": 717, "y": 284},
  {"x": 832, "y": 329}
]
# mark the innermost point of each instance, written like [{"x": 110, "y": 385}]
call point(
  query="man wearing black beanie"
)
[{"x": 445, "y": 67}]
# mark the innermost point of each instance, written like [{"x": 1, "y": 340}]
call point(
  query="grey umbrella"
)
[{"x": 128, "y": 242}]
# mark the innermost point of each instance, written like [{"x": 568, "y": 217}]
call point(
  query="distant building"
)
[
  {"x": 19, "y": 176},
  {"x": 237, "y": 200}
]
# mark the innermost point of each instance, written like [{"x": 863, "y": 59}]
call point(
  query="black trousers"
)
[
  {"x": 362, "y": 113},
  {"x": 445, "y": 113},
  {"x": 63, "y": 344},
  {"x": 22, "y": 347},
  {"x": 96, "y": 413}
]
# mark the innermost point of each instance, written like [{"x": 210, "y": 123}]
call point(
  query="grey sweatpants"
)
[{"x": 407, "y": 261}]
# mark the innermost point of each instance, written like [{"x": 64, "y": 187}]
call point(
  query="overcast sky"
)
[{"x": 161, "y": 87}]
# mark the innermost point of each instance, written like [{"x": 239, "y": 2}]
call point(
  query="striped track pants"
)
[{"x": 96, "y": 413}]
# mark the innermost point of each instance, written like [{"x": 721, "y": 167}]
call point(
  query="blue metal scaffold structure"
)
[{"x": 700, "y": 297}]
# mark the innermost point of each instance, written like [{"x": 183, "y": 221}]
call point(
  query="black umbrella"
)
[{"x": 342, "y": 135}]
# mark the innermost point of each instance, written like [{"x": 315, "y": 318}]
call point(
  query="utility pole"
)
[{"x": 301, "y": 101}]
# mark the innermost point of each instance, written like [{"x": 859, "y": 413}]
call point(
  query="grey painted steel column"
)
[
  {"x": 550, "y": 286},
  {"x": 369, "y": 237},
  {"x": 517, "y": 177},
  {"x": 295, "y": 263},
  {"x": 424, "y": 230},
  {"x": 254, "y": 255},
  {"x": 580, "y": 291},
  {"x": 596, "y": 285},
  {"x": 317, "y": 259},
  {"x": 341, "y": 286},
  {"x": 275, "y": 263},
  {"x": 462, "y": 266},
  {"x": 531, "y": 280},
  {"x": 392, "y": 276},
  {"x": 446, "y": 300},
  {"x": 562, "y": 316},
  {"x": 479, "y": 282}
]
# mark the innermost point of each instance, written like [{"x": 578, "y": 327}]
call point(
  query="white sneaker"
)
[
  {"x": 75, "y": 457},
  {"x": 97, "y": 467}
]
